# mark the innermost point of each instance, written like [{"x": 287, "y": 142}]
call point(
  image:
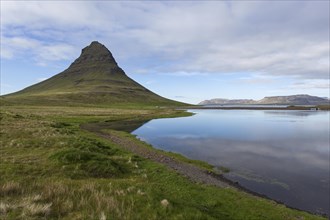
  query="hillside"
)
[
  {"x": 93, "y": 78},
  {"x": 227, "y": 102},
  {"x": 294, "y": 100},
  {"x": 272, "y": 100}
]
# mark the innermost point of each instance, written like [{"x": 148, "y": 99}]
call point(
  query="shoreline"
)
[
  {"x": 191, "y": 171},
  {"x": 66, "y": 164},
  {"x": 305, "y": 108}
]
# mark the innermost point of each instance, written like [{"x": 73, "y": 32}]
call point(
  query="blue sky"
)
[{"x": 187, "y": 51}]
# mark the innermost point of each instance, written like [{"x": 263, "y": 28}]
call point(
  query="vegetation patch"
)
[
  {"x": 62, "y": 172},
  {"x": 60, "y": 125},
  {"x": 88, "y": 157},
  {"x": 81, "y": 163}
]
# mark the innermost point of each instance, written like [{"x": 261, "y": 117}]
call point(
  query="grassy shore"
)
[{"x": 51, "y": 168}]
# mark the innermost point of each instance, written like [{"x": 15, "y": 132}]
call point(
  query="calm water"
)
[
  {"x": 247, "y": 106},
  {"x": 278, "y": 153}
]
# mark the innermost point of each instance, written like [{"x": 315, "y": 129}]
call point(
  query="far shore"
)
[{"x": 291, "y": 107}]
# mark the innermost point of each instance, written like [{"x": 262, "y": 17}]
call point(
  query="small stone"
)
[
  {"x": 103, "y": 217},
  {"x": 164, "y": 203},
  {"x": 139, "y": 192}
]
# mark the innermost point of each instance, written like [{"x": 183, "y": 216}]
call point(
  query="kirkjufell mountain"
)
[{"x": 93, "y": 78}]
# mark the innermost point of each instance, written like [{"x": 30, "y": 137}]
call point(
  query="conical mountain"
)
[{"x": 93, "y": 78}]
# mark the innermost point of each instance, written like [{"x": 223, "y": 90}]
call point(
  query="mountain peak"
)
[
  {"x": 95, "y": 42},
  {"x": 95, "y": 53},
  {"x": 93, "y": 78}
]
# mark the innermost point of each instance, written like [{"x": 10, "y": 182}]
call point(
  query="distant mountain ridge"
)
[
  {"x": 272, "y": 100},
  {"x": 294, "y": 100},
  {"x": 93, "y": 78},
  {"x": 227, "y": 101}
]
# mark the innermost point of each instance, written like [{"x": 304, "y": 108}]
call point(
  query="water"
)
[
  {"x": 281, "y": 154},
  {"x": 246, "y": 106}
]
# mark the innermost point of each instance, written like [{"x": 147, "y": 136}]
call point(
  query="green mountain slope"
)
[{"x": 93, "y": 78}]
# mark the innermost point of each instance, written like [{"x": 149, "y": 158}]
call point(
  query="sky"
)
[{"x": 183, "y": 50}]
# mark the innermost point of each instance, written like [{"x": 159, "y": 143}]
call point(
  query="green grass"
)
[
  {"x": 88, "y": 85},
  {"x": 198, "y": 163},
  {"x": 52, "y": 169},
  {"x": 324, "y": 107}
]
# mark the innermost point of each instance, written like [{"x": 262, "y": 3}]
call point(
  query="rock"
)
[
  {"x": 103, "y": 217},
  {"x": 164, "y": 203}
]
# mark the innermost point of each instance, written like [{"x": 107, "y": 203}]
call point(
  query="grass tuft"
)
[
  {"x": 60, "y": 125},
  {"x": 4, "y": 208},
  {"x": 35, "y": 209},
  {"x": 10, "y": 188},
  {"x": 88, "y": 157}
]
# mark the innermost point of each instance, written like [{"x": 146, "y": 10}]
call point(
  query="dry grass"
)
[
  {"x": 4, "y": 208},
  {"x": 60, "y": 198},
  {"x": 36, "y": 209},
  {"x": 29, "y": 206},
  {"x": 10, "y": 188}
]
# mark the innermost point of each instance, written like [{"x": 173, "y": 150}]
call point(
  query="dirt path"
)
[{"x": 193, "y": 172}]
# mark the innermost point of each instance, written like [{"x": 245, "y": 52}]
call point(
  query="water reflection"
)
[
  {"x": 282, "y": 154},
  {"x": 293, "y": 113},
  {"x": 120, "y": 125}
]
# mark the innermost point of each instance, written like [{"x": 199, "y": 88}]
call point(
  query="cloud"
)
[
  {"x": 311, "y": 84},
  {"x": 288, "y": 38},
  {"x": 5, "y": 87},
  {"x": 41, "y": 79},
  {"x": 41, "y": 52},
  {"x": 12, "y": 46},
  {"x": 149, "y": 82},
  {"x": 56, "y": 52},
  {"x": 258, "y": 79},
  {"x": 184, "y": 73}
]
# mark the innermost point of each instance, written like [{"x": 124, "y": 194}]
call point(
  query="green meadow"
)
[{"x": 53, "y": 169}]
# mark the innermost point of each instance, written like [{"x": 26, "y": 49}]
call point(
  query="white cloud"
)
[
  {"x": 11, "y": 46},
  {"x": 4, "y": 88},
  {"x": 56, "y": 52},
  {"x": 7, "y": 54},
  {"x": 41, "y": 79},
  {"x": 39, "y": 15},
  {"x": 184, "y": 38},
  {"x": 184, "y": 73},
  {"x": 149, "y": 82},
  {"x": 41, "y": 52},
  {"x": 259, "y": 79},
  {"x": 311, "y": 84}
]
